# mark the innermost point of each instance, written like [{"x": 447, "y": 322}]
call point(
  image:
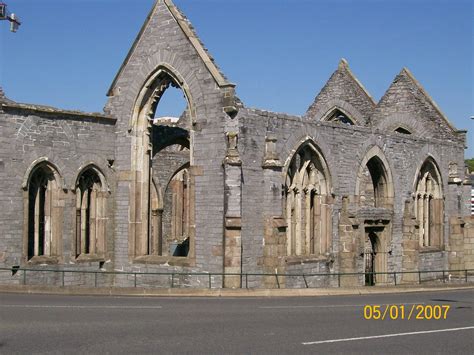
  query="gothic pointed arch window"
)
[
  {"x": 44, "y": 213},
  {"x": 178, "y": 192},
  {"x": 337, "y": 115},
  {"x": 161, "y": 145},
  {"x": 429, "y": 205},
  {"x": 90, "y": 214},
  {"x": 374, "y": 184},
  {"x": 308, "y": 209}
]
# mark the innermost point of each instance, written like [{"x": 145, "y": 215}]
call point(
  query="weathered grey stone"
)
[{"x": 238, "y": 160}]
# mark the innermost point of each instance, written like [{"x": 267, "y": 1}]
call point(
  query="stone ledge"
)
[
  {"x": 84, "y": 258},
  {"x": 165, "y": 260},
  {"x": 305, "y": 259},
  {"x": 427, "y": 250},
  {"x": 186, "y": 292},
  {"x": 48, "y": 260}
]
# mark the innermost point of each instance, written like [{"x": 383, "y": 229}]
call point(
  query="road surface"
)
[{"x": 130, "y": 325}]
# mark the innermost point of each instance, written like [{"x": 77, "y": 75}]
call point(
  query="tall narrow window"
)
[
  {"x": 373, "y": 184},
  {"x": 159, "y": 226},
  {"x": 90, "y": 213},
  {"x": 308, "y": 211},
  {"x": 178, "y": 193},
  {"x": 43, "y": 217},
  {"x": 429, "y": 209}
]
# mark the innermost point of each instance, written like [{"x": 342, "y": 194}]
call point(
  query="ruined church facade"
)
[{"x": 352, "y": 186}]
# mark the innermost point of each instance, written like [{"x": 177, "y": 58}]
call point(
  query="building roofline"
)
[
  {"x": 407, "y": 72},
  {"x": 343, "y": 64},
  {"x": 54, "y": 110},
  {"x": 190, "y": 35}
]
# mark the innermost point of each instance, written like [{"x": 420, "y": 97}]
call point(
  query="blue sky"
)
[{"x": 278, "y": 52}]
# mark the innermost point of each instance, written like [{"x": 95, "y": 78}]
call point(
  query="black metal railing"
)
[{"x": 391, "y": 278}]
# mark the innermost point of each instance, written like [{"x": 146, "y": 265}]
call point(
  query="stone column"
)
[
  {"x": 274, "y": 252},
  {"x": 410, "y": 245},
  {"x": 233, "y": 213},
  {"x": 455, "y": 246},
  {"x": 274, "y": 248},
  {"x": 348, "y": 246},
  {"x": 469, "y": 243}
]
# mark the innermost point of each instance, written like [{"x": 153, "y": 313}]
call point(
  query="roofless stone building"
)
[{"x": 354, "y": 185}]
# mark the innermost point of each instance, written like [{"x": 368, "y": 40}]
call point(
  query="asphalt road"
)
[{"x": 130, "y": 325}]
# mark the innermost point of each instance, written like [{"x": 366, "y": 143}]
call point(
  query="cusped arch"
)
[
  {"x": 428, "y": 201},
  {"x": 153, "y": 88},
  {"x": 309, "y": 143},
  {"x": 429, "y": 163},
  {"x": 377, "y": 156},
  {"x": 38, "y": 163},
  {"x": 307, "y": 201},
  {"x": 92, "y": 166}
]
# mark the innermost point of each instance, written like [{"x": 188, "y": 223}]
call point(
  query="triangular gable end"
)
[
  {"x": 188, "y": 31},
  {"x": 344, "y": 91},
  {"x": 403, "y": 103},
  {"x": 429, "y": 99}
]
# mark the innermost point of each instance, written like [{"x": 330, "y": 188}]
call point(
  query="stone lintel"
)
[
  {"x": 232, "y": 160},
  {"x": 233, "y": 222},
  {"x": 279, "y": 222},
  {"x": 274, "y": 164}
]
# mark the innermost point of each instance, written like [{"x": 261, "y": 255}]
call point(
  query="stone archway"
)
[
  {"x": 147, "y": 141},
  {"x": 375, "y": 252}
]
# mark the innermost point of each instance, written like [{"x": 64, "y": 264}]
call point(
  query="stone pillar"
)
[
  {"x": 272, "y": 179},
  {"x": 456, "y": 245},
  {"x": 274, "y": 251},
  {"x": 233, "y": 213},
  {"x": 348, "y": 246},
  {"x": 469, "y": 243},
  {"x": 274, "y": 248},
  {"x": 410, "y": 245}
]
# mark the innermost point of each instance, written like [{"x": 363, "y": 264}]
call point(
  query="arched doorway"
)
[{"x": 371, "y": 246}]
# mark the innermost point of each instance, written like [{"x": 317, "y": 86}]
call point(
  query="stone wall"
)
[
  {"x": 69, "y": 141},
  {"x": 343, "y": 147},
  {"x": 238, "y": 159}
]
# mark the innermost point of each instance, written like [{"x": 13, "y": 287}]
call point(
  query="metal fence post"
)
[
  {"x": 62, "y": 277},
  {"x": 95, "y": 279},
  {"x": 210, "y": 285},
  {"x": 395, "y": 278},
  {"x": 24, "y": 277},
  {"x": 278, "y": 282},
  {"x": 419, "y": 276},
  {"x": 465, "y": 274},
  {"x": 306, "y": 284},
  {"x": 444, "y": 279},
  {"x": 135, "y": 279},
  {"x": 338, "y": 280},
  {"x": 172, "y": 280},
  {"x": 246, "y": 281}
]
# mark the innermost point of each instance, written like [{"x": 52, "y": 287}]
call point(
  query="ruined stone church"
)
[{"x": 352, "y": 186}]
